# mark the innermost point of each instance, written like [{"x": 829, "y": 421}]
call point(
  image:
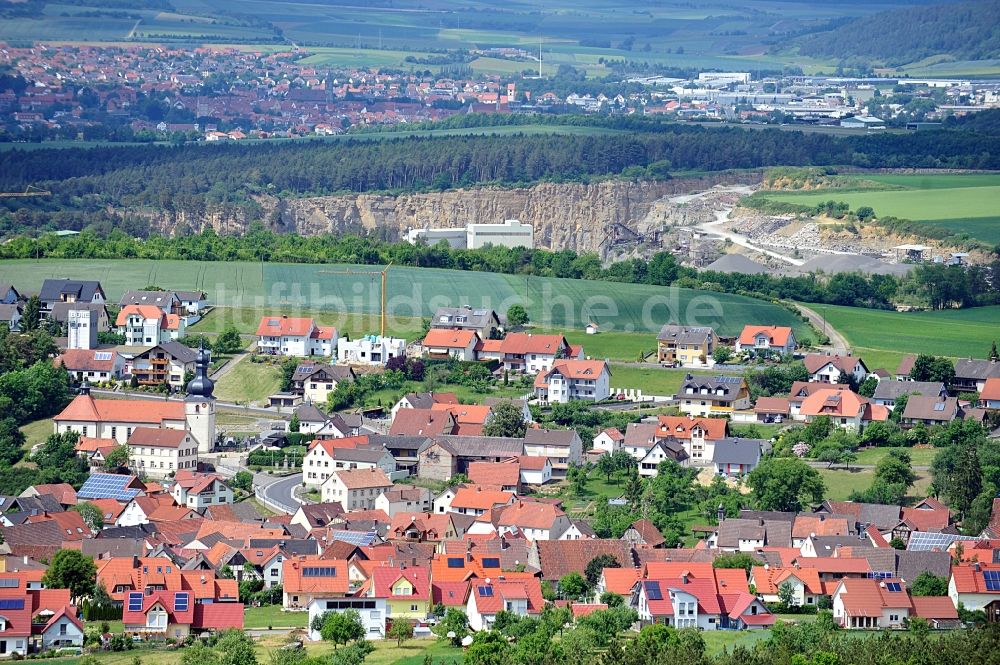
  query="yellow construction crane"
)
[{"x": 372, "y": 273}]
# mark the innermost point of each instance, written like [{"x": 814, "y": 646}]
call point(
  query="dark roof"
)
[
  {"x": 482, "y": 446},
  {"x": 559, "y": 557},
  {"x": 10, "y": 312},
  {"x": 774, "y": 533},
  {"x": 648, "y": 532},
  {"x": 38, "y": 540},
  {"x": 53, "y": 289},
  {"x": 309, "y": 413},
  {"x": 106, "y": 548},
  {"x": 160, "y": 299},
  {"x": 339, "y": 372},
  {"x": 770, "y": 515},
  {"x": 720, "y": 388},
  {"x": 293, "y": 546},
  {"x": 399, "y": 442},
  {"x": 321, "y": 514},
  {"x": 190, "y": 296},
  {"x": 550, "y": 437},
  {"x": 826, "y": 546},
  {"x": 359, "y": 454},
  {"x": 976, "y": 369},
  {"x": 684, "y": 334},
  {"x": 931, "y": 407},
  {"x": 43, "y": 503},
  {"x": 183, "y": 354},
  {"x": 480, "y": 318},
  {"x": 60, "y": 310},
  {"x": 738, "y": 451},
  {"x": 909, "y": 565},
  {"x": 895, "y": 389},
  {"x": 584, "y": 528}
]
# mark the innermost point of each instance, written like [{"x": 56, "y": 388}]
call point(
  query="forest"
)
[
  {"x": 940, "y": 286},
  {"x": 965, "y": 31},
  {"x": 194, "y": 179}
]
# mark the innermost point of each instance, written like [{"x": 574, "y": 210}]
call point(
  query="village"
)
[
  {"x": 229, "y": 94},
  {"x": 435, "y": 511}
]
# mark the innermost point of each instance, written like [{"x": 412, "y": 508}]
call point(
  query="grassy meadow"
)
[
  {"x": 962, "y": 204},
  {"x": 255, "y": 289}
]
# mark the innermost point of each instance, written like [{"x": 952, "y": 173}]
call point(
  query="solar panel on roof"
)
[
  {"x": 491, "y": 562},
  {"x": 8, "y": 583},
  {"x": 486, "y": 591},
  {"x": 939, "y": 406},
  {"x": 653, "y": 591},
  {"x": 921, "y": 541},
  {"x": 359, "y": 538},
  {"x": 893, "y": 586},
  {"x": 135, "y": 601},
  {"x": 11, "y": 603},
  {"x": 181, "y": 601},
  {"x": 456, "y": 562},
  {"x": 107, "y": 486},
  {"x": 992, "y": 580}
]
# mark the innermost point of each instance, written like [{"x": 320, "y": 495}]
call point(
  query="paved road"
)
[
  {"x": 837, "y": 341},
  {"x": 228, "y": 406},
  {"x": 277, "y": 492},
  {"x": 237, "y": 358}
]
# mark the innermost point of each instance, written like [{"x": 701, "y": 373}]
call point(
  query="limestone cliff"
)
[{"x": 565, "y": 216}]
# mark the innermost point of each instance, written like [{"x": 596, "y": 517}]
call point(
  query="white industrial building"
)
[{"x": 511, "y": 233}]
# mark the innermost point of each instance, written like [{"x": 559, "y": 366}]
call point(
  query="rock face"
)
[{"x": 565, "y": 216}]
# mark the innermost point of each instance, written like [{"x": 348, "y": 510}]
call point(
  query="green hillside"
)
[{"x": 416, "y": 292}]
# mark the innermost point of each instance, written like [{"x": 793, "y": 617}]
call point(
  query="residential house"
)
[
  {"x": 445, "y": 456},
  {"x": 311, "y": 420},
  {"x": 404, "y": 499},
  {"x": 167, "y": 301},
  {"x": 774, "y": 340},
  {"x": 804, "y": 583},
  {"x": 971, "y": 375},
  {"x": 315, "y": 381},
  {"x": 62, "y": 629},
  {"x": 309, "y": 578},
  {"x": 505, "y": 476},
  {"x": 421, "y": 401},
  {"x": 531, "y": 353},
  {"x": 562, "y": 447},
  {"x": 719, "y": 395},
  {"x": 470, "y": 419},
  {"x": 97, "y": 312},
  {"x": 198, "y": 491},
  {"x": 10, "y": 314},
  {"x": 609, "y": 441},
  {"x": 930, "y": 410},
  {"x": 15, "y": 623},
  {"x": 8, "y": 294},
  {"x": 423, "y": 422},
  {"x": 536, "y": 520},
  {"x": 665, "y": 449},
  {"x": 484, "y": 322},
  {"x": 160, "y": 452},
  {"x": 372, "y": 612},
  {"x": 407, "y": 592},
  {"x": 177, "y": 614},
  {"x": 443, "y": 343},
  {"x": 370, "y": 350},
  {"x": 643, "y": 533},
  {"x": 905, "y": 367},
  {"x": 569, "y": 380},
  {"x": 534, "y": 471},
  {"x": 295, "y": 336},
  {"x": 69, "y": 290},
  {"x": 735, "y": 457},
  {"x": 772, "y": 409},
  {"x": 474, "y": 500},
  {"x": 696, "y": 435},
  {"x": 803, "y": 389},
  {"x": 167, "y": 362},
  {"x": 698, "y": 602},
  {"x": 94, "y": 366},
  {"x": 871, "y": 604},
  {"x": 824, "y": 368},
  {"x": 989, "y": 396},
  {"x": 519, "y": 596},
  {"x": 192, "y": 302},
  {"x": 887, "y": 392},
  {"x": 685, "y": 346},
  {"x": 355, "y": 490},
  {"x": 976, "y": 586},
  {"x": 421, "y": 527},
  {"x": 844, "y": 408},
  {"x": 320, "y": 461}
]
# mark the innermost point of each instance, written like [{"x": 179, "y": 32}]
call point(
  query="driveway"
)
[{"x": 837, "y": 341}]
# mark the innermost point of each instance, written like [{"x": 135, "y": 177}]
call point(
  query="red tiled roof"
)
[
  {"x": 449, "y": 594},
  {"x": 580, "y": 610},
  {"x": 362, "y": 478},
  {"x": 991, "y": 389},
  {"x": 294, "y": 581},
  {"x": 443, "y": 338},
  {"x": 969, "y": 578},
  {"x": 934, "y": 607},
  {"x": 63, "y": 492},
  {"x": 529, "y": 515},
  {"x": 284, "y": 326},
  {"x": 777, "y": 335},
  {"x": 834, "y": 403},
  {"x": 87, "y": 409},
  {"x": 385, "y": 578},
  {"x": 145, "y": 311},
  {"x": 156, "y": 437},
  {"x": 422, "y": 422},
  {"x": 621, "y": 580},
  {"x": 867, "y": 598},
  {"x": 679, "y": 427},
  {"x": 491, "y": 474},
  {"x": 521, "y": 343},
  {"x": 476, "y": 498},
  {"x": 218, "y": 616}
]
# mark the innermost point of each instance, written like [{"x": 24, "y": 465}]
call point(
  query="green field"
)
[
  {"x": 651, "y": 380},
  {"x": 272, "y": 615},
  {"x": 840, "y": 483},
  {"x": 960, "y": 203},
  {"x": 958, "y": 333},
  {"x": 248, "y": 382},
  {"x": 918, "y": 456},
  {"x": 258, "y": 289}
]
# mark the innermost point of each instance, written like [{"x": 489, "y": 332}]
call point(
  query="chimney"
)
[{"x": 135, "y": 561}]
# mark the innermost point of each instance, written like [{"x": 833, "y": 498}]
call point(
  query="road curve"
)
[{"x": 278, "y": 494}]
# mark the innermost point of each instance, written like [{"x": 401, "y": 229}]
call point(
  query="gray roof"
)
[
  {"x": 684, "y": 334},
  {"x": 399, "y": 442},
  {"x": 738, "y": 451},
  {"x": 420, "y": 400},
  {"x": 321, "y": 514},
  {"x": 737, "y": 263},
  {"x": 909, "y": 565},
  {"x": 190, "y": 296},
  {"x": 60, "y": 310},
  {"x": 338, "y": 372},
  {"x": 359, "y": 454},
  {"x": 640, "y": 435},
  {"x": 931, "y": 407},
  {"x": 161, "y": 299},
  {"x": 493, "y": 401},
  {"x": 105, "y": 548},
  {"x": 770, "y": 515},
  {"x": 295, "y": 546},
  {"x": 308, "y": 413},
  {"x": 479, "y": 318},
  {"x": 826, "y": 546},
  {"x": 550, "y": 437},
  {"x": 895, "y": 389},
  {"x": 53, "y": 289},
  {"x": 976, "y": 369},
  {"x": 482, "y": 446},
  {"x": 181, "y": 353},
  {"x": 10, "y": 312},
  {"x": 774, "y": 533},
  {"x": 720, "y": 388}
]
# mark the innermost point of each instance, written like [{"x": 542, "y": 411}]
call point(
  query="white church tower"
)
[{"x": 199, "y": 405}]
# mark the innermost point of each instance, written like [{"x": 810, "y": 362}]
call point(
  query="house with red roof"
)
[
  {"x": 160, "y": 452},
  {"x": 871, "y": 604},
  {"x": 771, "y": 340},
  {"x": 117, "y": 418},
  {"x": 406, "y": 591},
  {"x": 62, "y": 629},
  {"x": 805, "y": 584},
  {"x": 441, "y": 344},
  {"x": 198, "y": 491},
  {"x": 976, "y": 586},
  {"x": 177, "y": 614},
  {"x": 488, "y": 597},
  {"x": 608, "y": 441},
  {"x": 989, "y": 396},
  {"x": 569, "y": 380},
  {"x": 535, "y": 470},
  {"x": 826, "y": 368},
  {"x": 505, "y": 476},
  {"x": 15, "y": 623},
  {"x": 295, "y": 336},
  {"x": 148, "y": 325},
  {"x": 537, "y": 520},
  {"x": 308, "y": 578},
  {"x": 844, "y": 408},
  {"x": 532, "y": 353},
  {"x": 475, "y": 500}
]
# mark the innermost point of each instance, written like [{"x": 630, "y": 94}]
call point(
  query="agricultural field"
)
[
  {"x": 963, "y": 204},
  {"x": 258, "y": 289},
  {"x": 886, "y": 335}
]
